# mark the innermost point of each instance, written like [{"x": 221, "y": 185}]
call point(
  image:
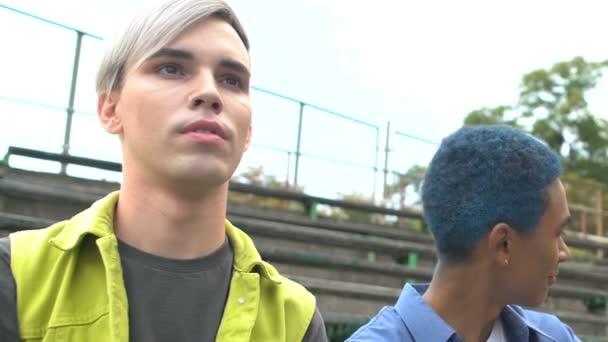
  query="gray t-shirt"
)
[{"x": 169, "y": 300}]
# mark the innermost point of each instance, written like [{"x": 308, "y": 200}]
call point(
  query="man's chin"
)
[
  {"x": 200, "y": 179},
  {"x": 536, "y": 301}
]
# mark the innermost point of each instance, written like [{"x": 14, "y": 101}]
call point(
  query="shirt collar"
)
[
  {"x": 421, "y": 320},
  {"x": 515, "y": 326},
  {"x": 425, "y": 325},
  {"x": 518, "y": 328}
]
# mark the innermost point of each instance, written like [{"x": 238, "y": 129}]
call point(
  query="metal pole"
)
[
  {"x": 376, "y": 163},
  {"x": 599, "y": 219},
  {"x": 70, "y": 109},
  {"x": 288, "y": 169},
  {"x": 386, "y": 151},
  {"x": 297, "y": 164}
]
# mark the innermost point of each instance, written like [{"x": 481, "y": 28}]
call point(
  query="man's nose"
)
[
  {"x": 564, "y": 251},
  {"x": 205, "y": 94}
]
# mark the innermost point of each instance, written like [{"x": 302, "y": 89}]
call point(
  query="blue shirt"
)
[{"x": 412, "y": 319}]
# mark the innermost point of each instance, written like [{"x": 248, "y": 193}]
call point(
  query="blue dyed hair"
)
[{"x": 481, "y": 176}]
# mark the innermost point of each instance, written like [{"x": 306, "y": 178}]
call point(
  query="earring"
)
[{"x": 506, "y": 262}]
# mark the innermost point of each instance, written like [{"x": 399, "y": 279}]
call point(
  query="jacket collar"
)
[
  {"x": 246, "y": 257},
  {"x": 98, "y": 220}
]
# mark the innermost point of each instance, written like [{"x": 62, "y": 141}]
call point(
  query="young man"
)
[
  {"x": 497, "y": 209},
  {"x": 158, "y": 261}
]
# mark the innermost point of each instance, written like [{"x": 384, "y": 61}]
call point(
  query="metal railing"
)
[{"x": 295, "y": 155}]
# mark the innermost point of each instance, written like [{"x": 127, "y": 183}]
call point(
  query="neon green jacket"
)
[{"x": 70, "y": 286}]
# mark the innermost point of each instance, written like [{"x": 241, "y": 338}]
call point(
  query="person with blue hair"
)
[{"x": 497, "y": 209}]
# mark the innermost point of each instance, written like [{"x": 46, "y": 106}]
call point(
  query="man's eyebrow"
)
[
  {"x": 167, "y": 52},
  {"x": 234, "y": 65}
]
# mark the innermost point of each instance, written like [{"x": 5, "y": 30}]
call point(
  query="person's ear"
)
[
  {"x": 107, "y": 112},
  {"x": 501, "y": 243}
]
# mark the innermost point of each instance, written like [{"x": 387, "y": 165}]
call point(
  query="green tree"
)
[
  {"x": 553, "y": 102},
  {"x": 412, "y": 178},
  {"x": 355, "y": 215},
  {"x": 556, "y": 100},
  {"x": 491, "y": 116},
  {"x": 256, "y": 176},
  {"x": 4, "y": 160}
]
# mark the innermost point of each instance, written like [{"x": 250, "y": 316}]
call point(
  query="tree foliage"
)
[
  {"x": 553, "y": 107},
  {"x": 412, "y": 180},
  {"x": 491, "y": 116},
  {"x": 257, "y": 176}
]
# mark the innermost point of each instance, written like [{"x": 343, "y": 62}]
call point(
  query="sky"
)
[{"x": 423, "y": 65}]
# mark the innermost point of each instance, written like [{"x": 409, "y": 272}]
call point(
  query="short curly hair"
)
[{"x": 481, "y": 176}]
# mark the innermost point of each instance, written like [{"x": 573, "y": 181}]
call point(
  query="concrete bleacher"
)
[{"x": 353, "y": 269}]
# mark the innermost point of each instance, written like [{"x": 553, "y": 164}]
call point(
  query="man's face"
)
[
  {"x": 536, "y": 256},
  {"x": 184, "y": 114}
]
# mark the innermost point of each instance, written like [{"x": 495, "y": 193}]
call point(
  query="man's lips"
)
[{"x": 205, "y": 127}]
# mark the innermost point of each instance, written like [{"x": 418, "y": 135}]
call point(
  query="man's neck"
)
[
  {"x": 465, "y": 300},
  {"x": 173, "y": 225}
]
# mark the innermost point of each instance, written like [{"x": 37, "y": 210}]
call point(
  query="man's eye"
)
[
  {"x": 232, "y": 81},
  {"x": 169, "y": 69}
]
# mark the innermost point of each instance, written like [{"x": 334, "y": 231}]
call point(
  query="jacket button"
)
[{"x": 241, "y": 300}]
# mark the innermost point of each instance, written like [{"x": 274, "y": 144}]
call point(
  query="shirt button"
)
[{"x": 241, "y": 300}]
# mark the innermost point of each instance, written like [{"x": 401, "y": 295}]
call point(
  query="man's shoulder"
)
[
  {"x": 545, "y": 323},
  {"x": 34, "y": 250},
  {"x": 276, "y": 289},
  {"x": 291, "y": 290},
  {"x": 247, "y": 259},
  {"x": 387, "y": 325},
  {"x": 41, "y": 235}
]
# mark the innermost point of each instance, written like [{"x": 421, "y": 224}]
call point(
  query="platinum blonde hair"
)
[{"x": 153, "y": 29}]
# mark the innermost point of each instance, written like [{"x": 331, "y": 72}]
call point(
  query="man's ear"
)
[
  {"x": 107, "y": 113},
  {"x": 501, "y": 243}
]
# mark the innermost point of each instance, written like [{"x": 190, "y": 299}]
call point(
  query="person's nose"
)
[
  {"x": 564, "y": 251},
  {"x": 205, "y": 93}
]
